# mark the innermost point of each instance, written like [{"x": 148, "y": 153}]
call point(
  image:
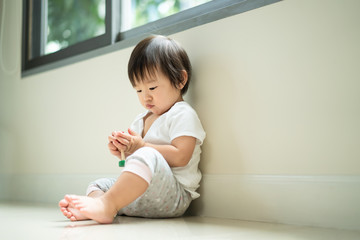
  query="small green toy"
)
[{"x": 122, "y": 161}]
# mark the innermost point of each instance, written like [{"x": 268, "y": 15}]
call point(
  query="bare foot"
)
[
  {"x": 98, "y": 209},
  {"x": 70, "y": 211}
]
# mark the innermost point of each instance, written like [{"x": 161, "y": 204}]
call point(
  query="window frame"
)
[
  {"x": 114, "y": 39},
  {"x": 32, "y": 45}
]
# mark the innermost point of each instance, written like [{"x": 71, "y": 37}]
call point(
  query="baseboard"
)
[{"x": 322, "y": 201}]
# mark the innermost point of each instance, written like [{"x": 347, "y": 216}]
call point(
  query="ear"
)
[{"x": 184, "y": 79}]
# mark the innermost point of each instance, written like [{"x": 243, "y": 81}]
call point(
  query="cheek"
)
[
  {"x": 140, "y": 98},
  {"x": 163, "y": 97}
]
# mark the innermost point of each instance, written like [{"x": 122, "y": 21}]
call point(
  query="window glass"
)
[
  {"x": 72, "y": 21},
  {"x": 139, "y": 12},
  {"x": 55, "y": 31}
]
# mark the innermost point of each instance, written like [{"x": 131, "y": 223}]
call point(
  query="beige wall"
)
[{"x": 277, "y": 89}]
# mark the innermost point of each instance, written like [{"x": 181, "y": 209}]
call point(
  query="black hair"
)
[{"x": 156, "y": 53}]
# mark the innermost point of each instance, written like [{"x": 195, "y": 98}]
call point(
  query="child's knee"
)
[
  {"x": 149, "y": 156},
  {"x": 102, "y": 184}
]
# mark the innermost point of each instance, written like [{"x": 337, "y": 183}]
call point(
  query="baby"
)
[{"x": 162, "y": 145}]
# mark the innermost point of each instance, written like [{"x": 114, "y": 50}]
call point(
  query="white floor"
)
[{"x": 44, "y": 222}]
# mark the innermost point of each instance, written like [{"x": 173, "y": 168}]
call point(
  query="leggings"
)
[{"x": 165, "y": 197}]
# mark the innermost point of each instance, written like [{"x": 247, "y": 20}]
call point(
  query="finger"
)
[
  {"x": 116, "y": 153},
  {"x": 112, "y": 147},
  {"x": 123, "y": 138},
  {"x": 123, "y": 141},
  {"x": 111, "y": 138},
  {"x": 117, "y": 133},
  {"x": 123, "y": 135},
  {"x": 113, "y": 141},
  {"x": 132, "y": 133},
  {"x": 119, "y": 145}
]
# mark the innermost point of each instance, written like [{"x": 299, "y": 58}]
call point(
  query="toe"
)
[
  {"x": 69, "y": 215},
  {"x": 63, "y": 203},
  {"x": 68, "y": 198},
  {"x": 63, "y": 210}
]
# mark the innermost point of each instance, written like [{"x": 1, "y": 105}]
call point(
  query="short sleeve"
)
[{"x": 183, "y": 121}]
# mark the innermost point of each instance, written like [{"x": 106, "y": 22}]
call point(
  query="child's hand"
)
[
  {"x": 114, "y": 146},
  {"x": 129, "y": 142}
]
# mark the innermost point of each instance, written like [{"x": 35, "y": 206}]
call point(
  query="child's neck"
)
[{"x": 149, "y": 119}]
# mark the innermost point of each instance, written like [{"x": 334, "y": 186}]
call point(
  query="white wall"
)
[{"x": 277, "y": 89}]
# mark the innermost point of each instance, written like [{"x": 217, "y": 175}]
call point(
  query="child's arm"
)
[{"x": 177, "y": 154}]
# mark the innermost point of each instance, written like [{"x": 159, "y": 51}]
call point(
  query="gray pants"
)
[{"x": 165, "y": 196}]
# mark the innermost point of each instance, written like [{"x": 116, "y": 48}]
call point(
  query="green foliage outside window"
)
[
  {"x": 150, "y": 10},
  {"x": 73, "y": 21}
]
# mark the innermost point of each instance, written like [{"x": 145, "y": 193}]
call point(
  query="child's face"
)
[{"x": 157, "y": 94}]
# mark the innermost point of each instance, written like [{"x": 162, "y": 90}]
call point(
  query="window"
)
[
  {"x": 70, "y": 22},
  {"x": 136, "y": 13},
  {"x": 58, "y": 29},
  {"x": 60, "y": 32}
]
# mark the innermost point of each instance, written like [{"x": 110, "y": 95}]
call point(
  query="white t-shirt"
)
[{"x": 180, "y": 120}]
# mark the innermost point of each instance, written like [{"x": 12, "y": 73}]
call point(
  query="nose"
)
[{"x": 147, "y": 96}]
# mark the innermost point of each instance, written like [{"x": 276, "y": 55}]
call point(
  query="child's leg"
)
[
  {"x": 71, "y": 212},
  {"x": 126, "y": 189},
  {"x": 147, "y": 188},
  {"x": 95, "y": 189},
  {"x": 165, "y": 196}
]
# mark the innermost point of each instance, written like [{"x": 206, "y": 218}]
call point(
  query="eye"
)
[
  {"x": 139, "y": 91},
  {"x": 153, "y": 88}
]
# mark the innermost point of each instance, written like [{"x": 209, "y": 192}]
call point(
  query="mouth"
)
[{"x": 149, "y": 106}]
